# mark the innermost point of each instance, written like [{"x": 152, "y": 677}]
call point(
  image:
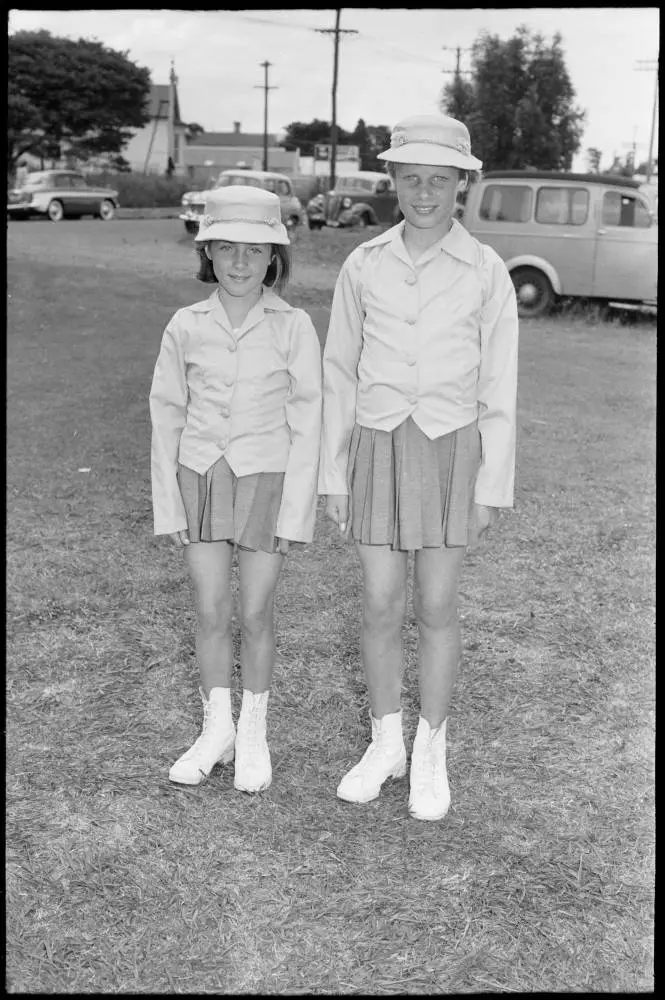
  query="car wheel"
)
[
  {"x": 106, "y": 211},
  {"x": 55, "y": 211},
  {"x": 362, "y": 222},
  {"x": 192, "y": 228},
  {"x": 534, "y": 292}
]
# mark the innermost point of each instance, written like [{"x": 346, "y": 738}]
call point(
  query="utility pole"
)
[
  {"x": 457, "y": 71},
  {"x": 651, "y": 64},
  {"x": 265, "y": 88},
  {"x": 336, "y": 31},
  {"x": 457, "y": 103}
]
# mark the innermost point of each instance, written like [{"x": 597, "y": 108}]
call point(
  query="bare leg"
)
[
  {"x": 209, "y": 565},
  {"x": 259, "y": 572},
  {"x": 436, "y": 579},
  {"x": 384, "y": 606}
]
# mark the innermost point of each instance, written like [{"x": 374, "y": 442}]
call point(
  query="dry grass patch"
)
[{"x": 541, "y": 877}]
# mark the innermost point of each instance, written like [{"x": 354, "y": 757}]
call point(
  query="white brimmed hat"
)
[
  {"x": 434, "y": 140},
  {"x": 242, "y": 214}
]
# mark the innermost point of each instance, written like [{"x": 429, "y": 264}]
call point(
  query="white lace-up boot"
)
[
  {"x": 216, "y": 743},
  {"x": 384, "y": 758},
  {"x": 253, "y": 767},
  {"x": 429, "y": 794}
]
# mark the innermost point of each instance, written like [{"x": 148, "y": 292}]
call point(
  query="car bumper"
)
[{"x": 21, "y": 211}]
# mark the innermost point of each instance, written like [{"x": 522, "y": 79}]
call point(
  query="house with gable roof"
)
[
  {"x": 208, "y": 153},
  {"x": 149, "y": 149}
]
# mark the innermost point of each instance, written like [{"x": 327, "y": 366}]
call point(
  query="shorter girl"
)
[{"x": 236, "y": 416}]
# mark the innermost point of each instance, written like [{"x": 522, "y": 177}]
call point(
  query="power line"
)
[
  {"x": 265, "y": 88},
  {"x": 336, "y": 31}
]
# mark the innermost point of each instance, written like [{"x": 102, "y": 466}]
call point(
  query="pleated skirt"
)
[
  {"x": 410, "y": 492},
  {"x": 221, "y": 506}
]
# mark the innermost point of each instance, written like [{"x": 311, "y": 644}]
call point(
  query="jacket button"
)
[
  {"x": 410, "y": 361},
  {"x": 233, "y": 348},
  {"x": 411, "y": 280},
  {"x": 224, "y": 410}
]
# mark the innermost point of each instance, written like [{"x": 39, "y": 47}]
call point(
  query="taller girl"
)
[
  {"x": 418, "y": 442},
  {"x": 236, "y": 417}
]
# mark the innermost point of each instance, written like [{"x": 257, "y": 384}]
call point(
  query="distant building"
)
[
  {"x": 149, "y": 149},
  {"x": 207, "y": 153}
]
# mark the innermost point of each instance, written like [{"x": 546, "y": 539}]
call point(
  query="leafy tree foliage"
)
[
  {"x": 594, "y": 157},
  {"x": 370, "y": 139},
  {"x": 69, "y": 97},
  {"x": 518, "y": 104}
]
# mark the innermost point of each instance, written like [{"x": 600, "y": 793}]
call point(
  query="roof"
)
[
  {"x": 253, "y": 173},
  {"x": 158, "y": 102},
  {"x": 251, "y": 140},
  {"x": 559, "y": 175}
]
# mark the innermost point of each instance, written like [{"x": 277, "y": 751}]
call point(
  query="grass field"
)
[{"x": 541, "y": 877}]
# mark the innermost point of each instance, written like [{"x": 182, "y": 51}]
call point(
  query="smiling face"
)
[
  {"x": 240, "y": 268},
  {"x": 427, "y": 196}
]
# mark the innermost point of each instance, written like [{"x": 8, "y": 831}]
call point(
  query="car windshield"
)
[
  {"x": 354, "y": 184},
  {"x": 239, "y": 179}
]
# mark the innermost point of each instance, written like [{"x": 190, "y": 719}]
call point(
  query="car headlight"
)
[
  {"x": 346, "y": 203},
  {"x": 184, "y": 200}
]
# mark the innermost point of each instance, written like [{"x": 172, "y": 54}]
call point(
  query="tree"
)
[
  {"x": 594, "y": 156},
  {"x": 68, "y": 97},
  {"x": 370, "y": 140},
  {"x": 518, "y": 104},
  {"x": 193, "y": 129},
  {"x": 306, "y": 135}
]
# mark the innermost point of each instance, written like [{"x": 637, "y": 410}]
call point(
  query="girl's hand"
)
[
  {"x": 337, "y": 509},
  {"x": 283, "y": 546},
  {"x": 482, "y": 518},
  {"x": 180, "y": 538}
]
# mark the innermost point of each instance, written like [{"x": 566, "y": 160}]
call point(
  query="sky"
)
[{"x": 393, "y": 66}]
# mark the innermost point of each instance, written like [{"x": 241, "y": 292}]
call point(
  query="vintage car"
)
[
  {"x": 565, "y": 235},
  {"x": 366, "y": 198},
  {"x": 60, "y": 194},
  {"x": 193, "y": 202}
]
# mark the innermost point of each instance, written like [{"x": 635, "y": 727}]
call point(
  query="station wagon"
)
[{"x": 566, "y": 234}]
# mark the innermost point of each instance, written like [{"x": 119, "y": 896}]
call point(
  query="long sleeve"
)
[
  {"x": 168, "y": 407},
  {"x": 297, "y": 512},
  {"x": 497, "y": 387},
  {"x": 340, "y": 377}
]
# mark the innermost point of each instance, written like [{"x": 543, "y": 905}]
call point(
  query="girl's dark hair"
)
[{"x": 277, "y": 275}]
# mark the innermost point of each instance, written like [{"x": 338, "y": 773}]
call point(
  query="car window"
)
[
  {"x": 625, "y": 210},
  {"x": 283, "y": 188},
  {"x": 239, "y": 179},
  {"x": 78, "y": 182},
  {"x": 562, "y": 206},
  {"x": 506, "y": 203},
  {"x": 62, "y": 181},
  {"x": 381, "y": 187}
]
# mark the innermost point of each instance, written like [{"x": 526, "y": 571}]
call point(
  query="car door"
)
[
  {"x": 62, "y": 192},
  {"x": 84, "y": 199},
  {"x": 626, "y": 261},
  {"x": 565, "y": 231},
  {"x": 383, "y": 201}
]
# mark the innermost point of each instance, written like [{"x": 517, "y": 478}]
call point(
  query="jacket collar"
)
[
  {"x": 269, "y": 301},
  {"x": 457, "y": 241}
]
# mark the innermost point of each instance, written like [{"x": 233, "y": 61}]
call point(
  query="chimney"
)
[{"x": 236, "y": 128}]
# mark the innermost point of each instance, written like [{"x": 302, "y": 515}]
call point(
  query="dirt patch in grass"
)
[{"x": 541, "y": 877}]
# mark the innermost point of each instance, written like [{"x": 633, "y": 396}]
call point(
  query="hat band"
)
[
  {"x": 211, "y": 220},
  {"x": 461, "y": 145}
]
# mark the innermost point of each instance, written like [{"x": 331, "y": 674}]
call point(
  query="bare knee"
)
[
  {"x": 214, "y": 616},
  {"x": 384, "y": 611},
  {"x": 257, "y": 619},
  {"x": 435, "y": 613}
]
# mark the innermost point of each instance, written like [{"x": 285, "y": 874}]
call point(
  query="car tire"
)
[
  {"x": 362, "y": 222},
  {"x": 106, "y": 210},
  {"x": 192, "y": 228},
  {"x": 55, "y": 211},
  {"x": 535, "y": 295}
]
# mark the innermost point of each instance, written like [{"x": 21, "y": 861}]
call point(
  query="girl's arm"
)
[
  {"x": 340, "y": 376},
  {"x": 497, "y": 386},
  {"x": 168, "y": 408},
  {"x": 303, "y": 415}
]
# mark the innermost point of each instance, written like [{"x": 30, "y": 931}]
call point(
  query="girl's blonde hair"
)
[{"x": 277, "y": 275}]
